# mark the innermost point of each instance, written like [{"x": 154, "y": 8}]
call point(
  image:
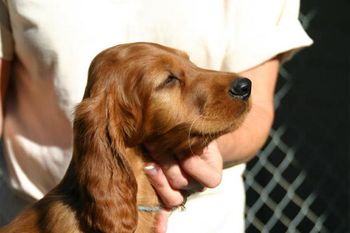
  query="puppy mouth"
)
[
  {"x": 186, "y": 142},
  {"x": 206, "y": 136},
  {"x": 210, "y": 134},
  {"x": 203, "y": 129}
]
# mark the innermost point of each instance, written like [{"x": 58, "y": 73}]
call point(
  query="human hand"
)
[{"x": 173, "y": 176}]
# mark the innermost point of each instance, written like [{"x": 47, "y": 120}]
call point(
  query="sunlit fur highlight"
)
[{"x": 131, "y": 104}]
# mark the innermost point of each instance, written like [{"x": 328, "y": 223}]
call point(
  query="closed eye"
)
[{"x": 170, "y": 80}]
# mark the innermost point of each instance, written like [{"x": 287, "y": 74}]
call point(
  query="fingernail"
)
[{"x": 150, "y": 170}]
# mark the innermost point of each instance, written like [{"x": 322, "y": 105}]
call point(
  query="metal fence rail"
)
[{"x": 282, "y": 195}]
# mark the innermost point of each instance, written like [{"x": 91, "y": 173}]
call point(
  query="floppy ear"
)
[
  {"x": 129, "y": 107},
  {"x": 107, "y": 186},
  {"x": 124, "y": 82}
]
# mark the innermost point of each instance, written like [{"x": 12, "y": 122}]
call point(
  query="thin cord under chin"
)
[
  {"x": 150, "y": 209},
  {"x": 142, "y": 208}
]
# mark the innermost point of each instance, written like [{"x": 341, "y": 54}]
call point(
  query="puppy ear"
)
[
  {"x": 131, "y": 103},
  {"x": 107, "y": 186},
  {"x": 126, "y": 88}
]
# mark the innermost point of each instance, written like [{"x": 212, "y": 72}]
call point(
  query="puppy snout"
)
[{"x": 240, "y": 88}]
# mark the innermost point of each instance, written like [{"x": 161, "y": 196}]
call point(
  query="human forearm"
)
[{"x": 241, "y": 145}]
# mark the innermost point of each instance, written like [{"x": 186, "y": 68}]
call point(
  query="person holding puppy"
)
[{"x": 46, "y": 49}]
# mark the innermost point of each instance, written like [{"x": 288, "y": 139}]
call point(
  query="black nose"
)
[{"x": 240, "y": 88}]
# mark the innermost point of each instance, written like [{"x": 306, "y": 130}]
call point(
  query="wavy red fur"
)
[{"x": 136, "y": 94}]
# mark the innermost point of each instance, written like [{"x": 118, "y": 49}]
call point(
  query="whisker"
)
[{"x": 189, "y": 132}]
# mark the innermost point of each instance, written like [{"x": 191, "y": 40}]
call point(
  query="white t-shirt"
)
[{"x": 53, "y": 42}]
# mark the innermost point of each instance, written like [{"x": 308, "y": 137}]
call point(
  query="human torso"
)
[{"x": 54, "y": 44}]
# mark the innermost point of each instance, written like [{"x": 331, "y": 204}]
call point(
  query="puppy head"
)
[{"x": 162, "y": 99}]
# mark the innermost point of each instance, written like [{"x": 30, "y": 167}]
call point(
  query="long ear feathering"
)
[
  {"x": 107, "y": 184},
  {"x": 124, "y": 80},
  {"x": 133, "y": 95}
]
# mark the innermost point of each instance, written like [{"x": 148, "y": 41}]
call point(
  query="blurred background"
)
[{"x": 300, "y": 180}]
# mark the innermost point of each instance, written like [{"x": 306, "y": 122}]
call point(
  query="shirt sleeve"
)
[
  {"x": 6, "y": 40},
  {"x": 264, "y": 29}
]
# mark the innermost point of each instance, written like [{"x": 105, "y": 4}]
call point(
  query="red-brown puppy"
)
[{"x": 137, "y": 94}]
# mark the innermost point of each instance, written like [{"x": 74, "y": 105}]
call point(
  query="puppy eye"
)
[{"x": 171, "y": 79}]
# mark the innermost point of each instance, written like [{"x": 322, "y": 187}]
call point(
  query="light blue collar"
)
[{"x": 149, "y": 208}]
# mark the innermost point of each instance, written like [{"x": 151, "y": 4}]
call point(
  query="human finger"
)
[
  {"x": 176, "y": 177},
  {"x": 205, "y": 168},
  {"x": 170, "y": 197}
]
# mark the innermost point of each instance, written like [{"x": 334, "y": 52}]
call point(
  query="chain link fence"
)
[{"x": 299, "y": 181}]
